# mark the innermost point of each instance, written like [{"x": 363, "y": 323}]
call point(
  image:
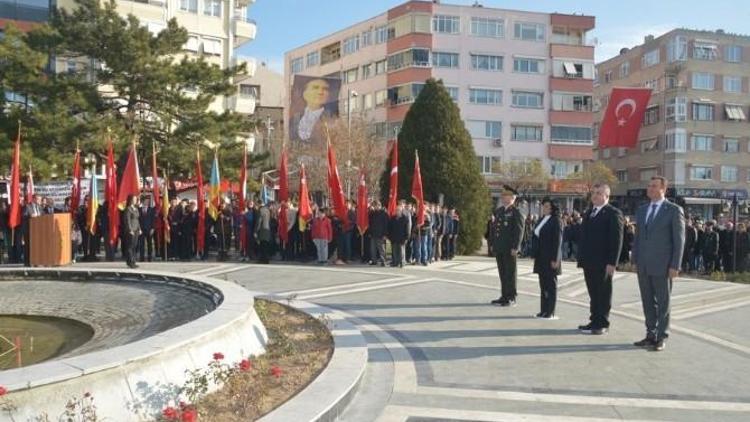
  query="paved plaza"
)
[{"x": 439, "y": 352}]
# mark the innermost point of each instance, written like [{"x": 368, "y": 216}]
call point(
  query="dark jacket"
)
[
  {"x": 548, "y": 246},
  {"x": 509, "y": 225},
  {"x": 132, "y": 220},
  {"x": 378, "y": 223},
  {"x": 710, "y": 244},
  {"x": 398, "y": 228},
  {"x": 600, "y": 238},
  {"x": 148, "y": 218}
]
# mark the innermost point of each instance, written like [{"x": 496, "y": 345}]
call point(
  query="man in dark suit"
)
[
  {"x": 509, "y": 223},
  {"x": 378, "y": 223},
  {"x": 132, "y": 230},
  {"x": 146, "y": 240},
  {"x": 657, "y": 254},
  {"x": 599, "y": 249},
  {"x": 691, "y": 238}
]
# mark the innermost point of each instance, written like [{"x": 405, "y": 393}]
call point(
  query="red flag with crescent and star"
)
[{"x": 623, "y": 118}]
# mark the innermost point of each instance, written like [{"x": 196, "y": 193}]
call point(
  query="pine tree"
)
[{"x": 433, "y": 126}]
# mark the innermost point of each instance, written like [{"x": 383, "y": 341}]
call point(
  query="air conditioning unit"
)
[{"x": 497, "y": 143}]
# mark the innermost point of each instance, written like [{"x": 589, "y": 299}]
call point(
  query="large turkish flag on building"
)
[{"x": 623, "y": 118}]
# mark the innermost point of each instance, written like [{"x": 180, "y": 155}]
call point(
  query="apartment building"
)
[
  {"x": 696, "y": 130},
  {"x": 216, "y": 28},
  {"x": 523, "y": 80}
]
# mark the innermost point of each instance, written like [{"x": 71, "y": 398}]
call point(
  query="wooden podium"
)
[{"x": 49, "y": 240}]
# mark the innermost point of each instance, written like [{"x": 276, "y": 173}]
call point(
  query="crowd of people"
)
[
  {"x": 252, "y": 234},
  {"x": 709, "y": 244}
]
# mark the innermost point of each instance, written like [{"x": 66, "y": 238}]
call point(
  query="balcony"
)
[
  {"x": 251, "y": 65},
  {"x": 244, "y": 104},
  {"x": 245, "y": 29},
  {"x": 583, "y": 52},
  {"x": 244, "y": 3}
]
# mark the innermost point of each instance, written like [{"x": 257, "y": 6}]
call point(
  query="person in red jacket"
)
[{"x": 322, "y": 234}]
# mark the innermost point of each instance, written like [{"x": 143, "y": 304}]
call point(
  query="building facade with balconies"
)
[
  {"x": 523, "y": 80},
  {"x": 696, "y": 131}
]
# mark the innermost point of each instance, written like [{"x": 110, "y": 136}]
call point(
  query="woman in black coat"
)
[{"x": 547, "y": 253}]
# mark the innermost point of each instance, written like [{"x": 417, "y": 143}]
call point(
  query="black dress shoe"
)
[
  {"x": 659, "y": 345},
  {"x": 599, "y": 331},
  {"x": 646, "y": 342},
  {"x": 585, "y": 328},
  {"x": 497, "y": 301},
  {"x": 540, "y": 315},
  {"x": 508, "y": 303}
]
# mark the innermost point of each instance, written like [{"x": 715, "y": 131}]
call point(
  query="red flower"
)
[
  {"x": 245, "y": 365},
  {"x": 276, "y": 371},
  {"x": 3, "y": 391},
  {"x": 189, "y": 415},
  {"x": 218, "y": 356},
  {"x": 170, "y": 413}
]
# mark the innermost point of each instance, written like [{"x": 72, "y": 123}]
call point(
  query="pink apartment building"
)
[{"x": 523, "y": 80}]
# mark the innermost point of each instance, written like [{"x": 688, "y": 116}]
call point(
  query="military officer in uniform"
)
[{"x": 507, "y": 235}]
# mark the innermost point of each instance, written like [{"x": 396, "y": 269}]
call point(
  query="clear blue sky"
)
[{"x": 286, "y": 24}]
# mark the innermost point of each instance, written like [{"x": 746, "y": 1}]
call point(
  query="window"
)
[
  {"x": 575, "y": 70},
  {"x": 675, "y": 140},
  {"x": 622, "y": 176},
  {"x": 529, "y": 31},
  {"x": 528, "y": 99},
  {"x": 486, "y": 96},
  {"x": 212, "y": 8},
  {"x": 702, "y": 142},
  {"x": 704, "y": 51},
  {"x": 571, "y": 102},
  {"x": 330, "y": 53},
  {"x": 350, "y": 75},
  {"x": 485, "y": 27},
  {"x": 417, "y": 57},
  {"x": 676, "y": 109},
  {"x": 350, "y": 45},
  {"x": 367, "y": 70},
  {"x": 488, "y": 165},
  {"x": 213, "y": 47},
  {"x": 380, "y": 129},
  {"x": 647, "y": 173},
  {"x": 677, "y": 49},
  {"x": 313, "y": 59},
  {"x": 189, "y": 6},
  {"x": 453, "y": 92},
  {"x": 571, "y": 134},
  {"x": 192, "y": 44},
  {"x": 728, "y": 173},
  {"x": 606, "y": 153},
  {"x": 671, "y": 82},
  {"x": 733, "y": 53},
  {"x": 652, "y": 116},
  {"x": 367, "y": 102},
  {"x": 483, "y": 129},
  {"x": 607, "y": 76},
  {"x": 366, "y": 38},
  {"x": 250, "y": 91},
  {"x": 732, "y": 84},
  {"x": 380, "y": 97},
  {"x": 404, "y": 93},
  {"x": 731, "y": 145},
  {"x": 71, "y": 66},
  {"x": 625, "y": 69},
  {"x": 652, "y": 84},
  {"x": 703, "y": 111},
  {"x": 650, "y": 145},
  {"x": 446, "y": 24},
  {"x": 563, "y": 169},
  {"x": 296, "y": 65},
  {"x": 526, "y": 133},
  {"x": 522, "y": 65},
  {"x": 650, "y": 59},
  {"x": 734, "y": 112},
  {"x": 440, "y": 59},
  {"x": 381, "y": 34},
  {"x": 701, "y": 173},
  {"x": 485, "y": 62},
  {"x": 380, "y": 67},
  {"x": 703, "y": 81}
]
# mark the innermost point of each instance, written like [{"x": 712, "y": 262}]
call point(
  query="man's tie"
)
[
  {"x": 651, "y": 215},
  {"x": 595, "y": 212}
]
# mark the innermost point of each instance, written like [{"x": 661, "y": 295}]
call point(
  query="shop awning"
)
[{"x": 702, "y": 201}]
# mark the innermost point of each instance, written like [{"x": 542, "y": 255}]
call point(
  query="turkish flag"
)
[
  {"x": 305, "y": 209},
  {"x": 393, "y": 193},
  {"x": 129, "y": 185},
  {"x": 283, "y": 177},
  {"x": 335, "y": 189},
  {"x": 416, "y": 191},
  {"x": 75, "y": 191},
  {"x": 623, "y": 118},
  {"x": 111, "y": 196},
  {"x": 362, "y": 216},
  {"x": 29, "y": 187},
  {"x": 14, "y": 215}
]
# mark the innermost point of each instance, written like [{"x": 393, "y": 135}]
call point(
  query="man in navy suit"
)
[
  {"x": 599, "y": 248},
  {"x": 657, "y": 253}
]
